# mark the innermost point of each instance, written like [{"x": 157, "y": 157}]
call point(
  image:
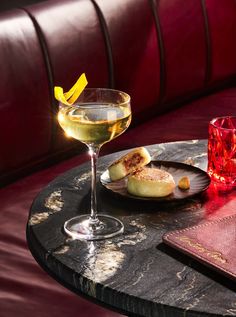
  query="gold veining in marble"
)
[
  {"x": 38, "y": 218},
  {"x": 180, "y": 275},
  {"x": 62, "y": 250},
  {"x": 189, "y": 161},
  {"x": 185, "y": 294},
  {"x": 105, "y": 258},
  {"x": 194, "y": 303},
  {"x": 103, "y": 261},
  {"x": 54, "y": 201},
  {"x": 134, "y": 237},
  {"x": 80, "y": 180},
  {"x": 232, "y": 311}
]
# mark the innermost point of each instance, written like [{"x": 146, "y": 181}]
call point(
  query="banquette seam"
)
[
  {"x": 154, "y": 8},
  {"x": 50, "y": 76},
  {"x": 208, "y": 70},
  {"x": 107, "y": 42}
]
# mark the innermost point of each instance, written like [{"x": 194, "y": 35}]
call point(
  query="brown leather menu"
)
[{"x": 212, "y": 243}]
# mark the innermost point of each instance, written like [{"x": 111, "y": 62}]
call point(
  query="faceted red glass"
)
[{"x": 222, "y": 150}]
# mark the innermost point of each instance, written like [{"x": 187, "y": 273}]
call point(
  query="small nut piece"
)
[{"x": 184, "y": 183}]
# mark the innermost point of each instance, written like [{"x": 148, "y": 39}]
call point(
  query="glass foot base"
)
[{"x": 83, "y": 228}]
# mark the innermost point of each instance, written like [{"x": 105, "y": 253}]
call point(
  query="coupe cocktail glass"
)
[
  {"x": 222, "y": 150},
  {"x": 98, "y": 116}
]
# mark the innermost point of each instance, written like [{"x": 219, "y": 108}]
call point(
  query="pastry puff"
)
[{"x": 128, "y": 163}]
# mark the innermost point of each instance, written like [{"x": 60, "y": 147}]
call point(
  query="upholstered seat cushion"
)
[{"x": 190, "y": 121}]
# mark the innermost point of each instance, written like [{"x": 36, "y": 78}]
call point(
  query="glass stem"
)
[{"x": 93, "y": 152}]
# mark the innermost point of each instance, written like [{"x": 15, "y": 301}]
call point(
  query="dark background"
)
[{"x": 10, "y": 4}]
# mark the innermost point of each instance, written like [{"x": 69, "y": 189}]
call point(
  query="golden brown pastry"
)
[
  {"x": 128, "y": 163},
  {"x": 150, "y": 182}
]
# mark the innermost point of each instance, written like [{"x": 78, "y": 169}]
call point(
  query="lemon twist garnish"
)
[{"x": 68, "y": 98}]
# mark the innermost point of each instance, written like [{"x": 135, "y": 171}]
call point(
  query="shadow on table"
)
[
  {"x": 116, "y": 203},
  {"x": 197, "y": 266}
]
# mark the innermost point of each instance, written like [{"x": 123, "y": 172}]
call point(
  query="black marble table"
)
[{"x": 135, "y": 273}]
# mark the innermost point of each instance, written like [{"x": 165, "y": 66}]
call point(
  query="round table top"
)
[{"x": 134, "y": 273}]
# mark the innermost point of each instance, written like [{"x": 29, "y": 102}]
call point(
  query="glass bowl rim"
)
[
  {"x": 125, "y": 94},
  {"x": 213, "y": 123}
]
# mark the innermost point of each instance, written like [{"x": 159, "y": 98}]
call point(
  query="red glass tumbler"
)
[{"x": 222, "y": 150}]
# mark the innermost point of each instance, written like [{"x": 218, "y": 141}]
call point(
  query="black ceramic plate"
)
[{"x": 199, "y": 181}]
